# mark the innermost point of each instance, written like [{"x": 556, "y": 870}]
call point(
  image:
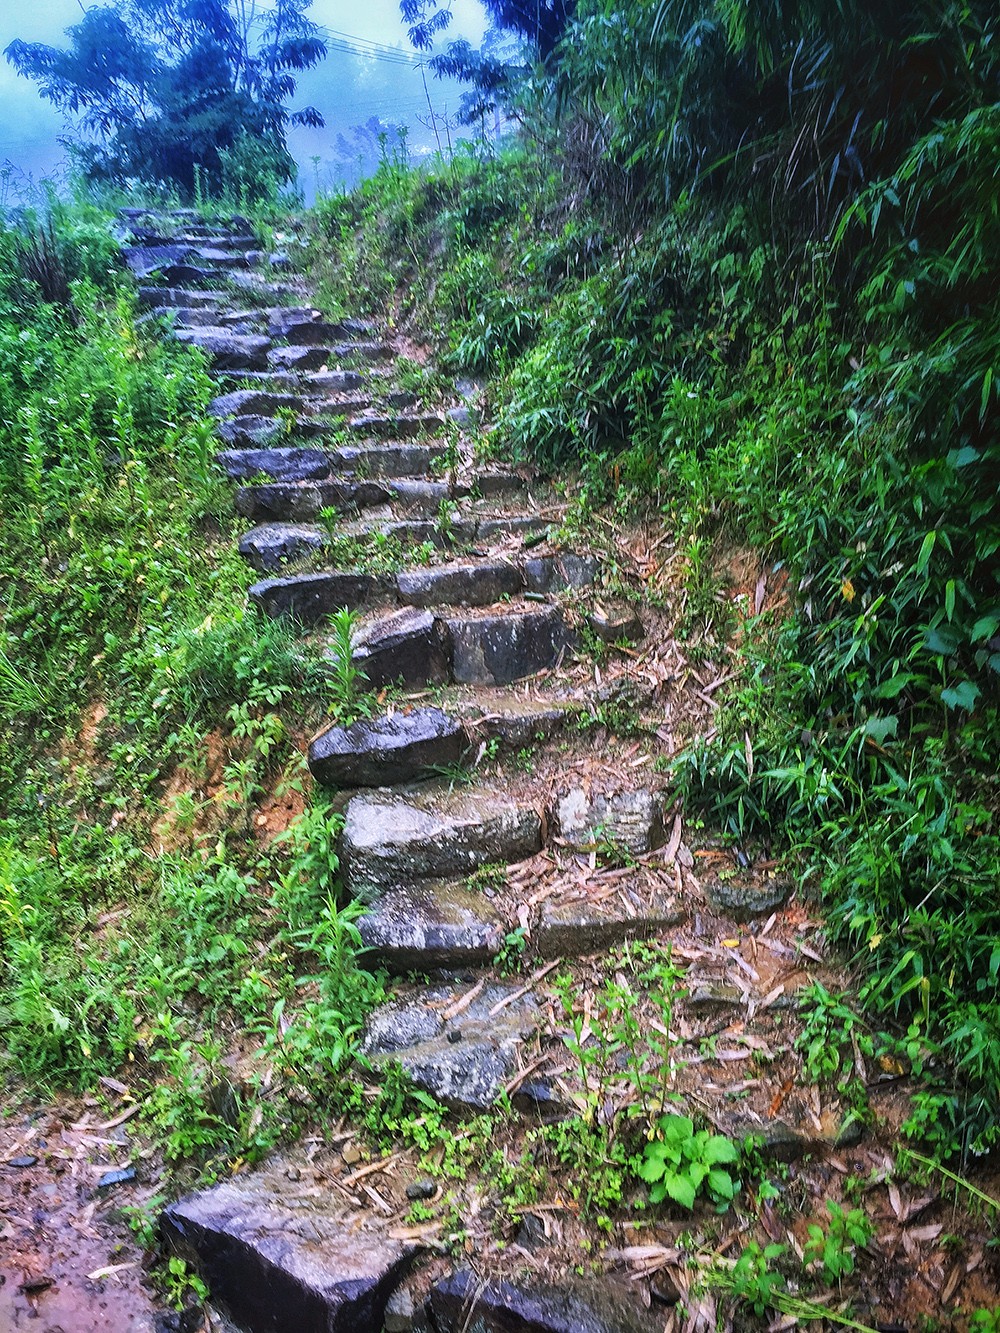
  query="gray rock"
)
[
  {"x": 463, "y": 1303},
  {"x": 631, "y": 820},
  {"x": 459, "y": 585},
  {"x": 253, "y": 402},
  {"x": 400, "y": 1313},
  {"x": 362, "y": 351},
  {"x": 227, "y": 349},
  {"x": 392, "y": 838},
  {"x": 713, "y": 995},
  {"x": 469, "y": 1073},
  {"x": 279, "y": 261},
  {"x": 465, "y": 418},
  {"x": 284, "y": 318},
  {"x": 180, "y": 296},
  {"x": 582, "y": 927},
  {"x": 498, "y": 484},
  {"x": 564, "y": 572},
  {"x": 290, "y": 464},
  {"x": 144, "y": 260},
  {"x": 269, "y": 545},
  {"x": 278, "y": 1255},
  {"x": 387, "y": 460},
  {"x": 495, "y": 650},
  {"x": 296, "y": 501},
  {"x": 613, "y": 627},
  {"x": 429, "y": 926},
  {"x": 409, "y": 645},
  {"x": 225, "y": 259},
  {"x": 299, "y": 358},
  {"x": 745, "y": 901},
  {"x": 517, "y": 725},
  {"x": 512, "y": 525},
  {"x": 382, "y": 751},
  {"x": 250, "y": 432},
  {"x": 310, "y": 598},
  {"x": 374, "y": 426}
]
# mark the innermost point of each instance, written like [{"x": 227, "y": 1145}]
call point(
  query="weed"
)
[
  {"x": 834, "y": 1248},
  {"x": 680, "y": 1163}
]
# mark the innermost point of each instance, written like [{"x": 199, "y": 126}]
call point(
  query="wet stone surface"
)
[
  {"x": 424, "y": 927},
  {"x": 278, "y": 464},
  {"x": 463, "y": 1303},
  {"x": 585, "y": 926},
  {"x": 268, "y": 546},
  {"x": 467, "y": 1073},
  {"x": 630, "y": 820},
  {"x": 495, "y": 650},
  {"x": 392, "y": 838},
  {"x": 278, "y": 1253},
  {"x": 382, "y": 751},
  {"x": 744, "y": 901},
  {"x": 460, "y": 585},
  {"x": 310, "y": 598},
  {"x": 409, "y": 646}
]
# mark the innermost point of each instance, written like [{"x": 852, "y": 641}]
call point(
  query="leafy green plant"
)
[
  {"x": 753, "y": 1281},
  {"x": 681, "y": 1163},
  {"x": 834, "y": 1248},
  {"x": 346, "y": 680}
]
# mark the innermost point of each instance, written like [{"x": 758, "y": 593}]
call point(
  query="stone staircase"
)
[{"x": 474, "y": 631}]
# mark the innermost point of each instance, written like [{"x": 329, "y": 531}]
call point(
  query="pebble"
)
[
  {"x": 26, "y": 1160},
  {"x": 421, "y": 1189},
  {"x": 112, "y": 1178}
]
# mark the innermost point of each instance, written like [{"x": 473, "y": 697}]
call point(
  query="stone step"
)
[
  {"x": 310, "y": 598},
  {"x": 228, "y": 351},
  {"x": 388, "y": 749},
  {"x": 228, "y": 259},
  {"x": 298, "y": 325},
  {"x": 579, "y": 1306},
  {"x": 391, "y": 838},
  {"x": 292, "y": 463},
  {"x": 210, "y": 239},
  {"x": 299, "y": 358},
  {"x": 388, "y": 460},
  {"x": 254, "y": 402},
  {"x": 146, "y": 260},
  {"x": 299, "y": 501},
  {"x": 465, "y": 1061},
  {"x": 376, "y": 427},
  {"x": 281, "y": 1250},
  {"x": 187, "y": 297},
  {"x": 270, "y": 545},
  {"x": 436, "y": 925},
  {"x": 415, "y": 647}
]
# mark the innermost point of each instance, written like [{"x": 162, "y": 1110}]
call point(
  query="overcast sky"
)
[{"x": 346, "y": 89}]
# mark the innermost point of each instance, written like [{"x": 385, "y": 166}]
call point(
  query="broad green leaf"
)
[
  {"x": 718, "y": 1150},
  {"x": 680, "y": 1190},
  {"x": 962, "y": 696},
  {"x": 985, "y": 627},
  {"x": 880, "y": 728},
  {"x": 721, "y": 1184},
  {"x": 895, "y": 685}
]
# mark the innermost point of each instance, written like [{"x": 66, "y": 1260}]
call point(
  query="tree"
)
[
  {"x": 164, "y": 90},
  {"x": 492, "y": 71}
]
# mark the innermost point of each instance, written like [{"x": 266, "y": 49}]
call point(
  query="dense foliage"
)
[
  {"x": 745, "y": 265},
  {"x": 190, "y": 94}
]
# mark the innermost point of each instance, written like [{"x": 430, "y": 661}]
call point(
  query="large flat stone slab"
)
[
  {"x": 466, "y": 1060},
  {"x": 268, "y": 546},
  {"x": 387, "y": 460},
  {"x": 295, "y": 500},
  {"x": 310, "y": 598},
  {"x": 227, "y": 350},
  {"x": 495, "y": 650},
  {"x": 279, "y": 1253},
  {"x": 299, "y": 358},
  {"x": 440, "y": 924},
  {"x": 583, "y": 926},
  {"x": 459, "y": 584},
  {"x": 564, "y": 572},
  {"x": 631, "y": 820},
  {"x": 409, "y": 646},
  {"x": 391, "y": 839},
  {"x": 374, "y": 426},
  {"x": 290, "y": 464},
  {"x": 253, "y": 402},
  {"x": 464, "y": 1303},
  {"x": 386, "y": 750}
]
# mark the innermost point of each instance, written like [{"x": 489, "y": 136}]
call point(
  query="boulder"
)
[
  {"x": 743, "y": 902},
  {"x": 294, "y": 500},
  {"x": 564, "y": 572},
  {"x": 253, "y": 402}
]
